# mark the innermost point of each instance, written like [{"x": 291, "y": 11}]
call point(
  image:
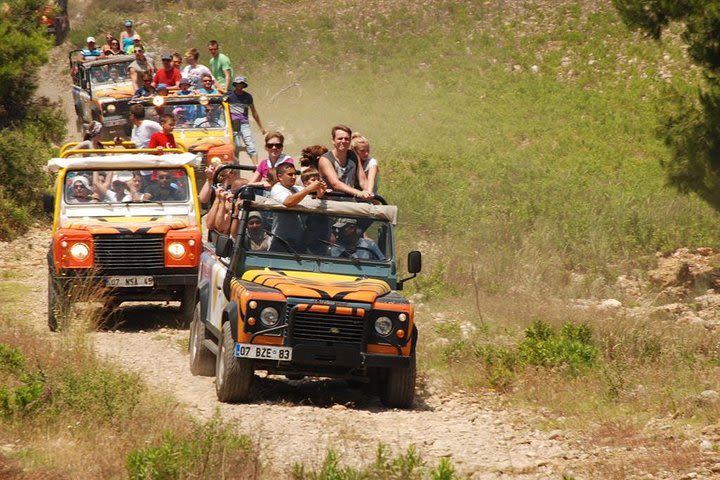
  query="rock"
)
[
  {"x": 715, "y": 468},
  {"x": 534, "y": 69},
  {"x": 706, "y": 445},
  {"x": 705, "y": 251},
  {"x": 710, "y": 396},
  {"x": 610, "y": 304},
  {"x": 554, "y": 435}
]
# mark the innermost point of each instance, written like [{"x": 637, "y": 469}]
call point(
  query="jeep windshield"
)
[
  {"x": 110, "y": 75},
  {"x": 126, "y": 186},
  {"x": 305, "y": 234},
  {"x": 190, "y": 116}
]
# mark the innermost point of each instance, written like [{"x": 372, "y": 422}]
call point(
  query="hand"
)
[
  {"x": 364, "y": 195},
  {"x": 210, "y": 171},
  {"x": 263, "y": 131}
]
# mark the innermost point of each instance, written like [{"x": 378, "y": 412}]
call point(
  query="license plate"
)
[
  {"x": 263, "y": 352},
  {"x": 114, "y": 122},
  {"x": 130, "y": 281}
]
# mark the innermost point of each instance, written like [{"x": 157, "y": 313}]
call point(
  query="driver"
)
[
  {"x": 163, "y": 189},
  {"x": 211, "y": 118},
  {"x": 352, "y": 244}
]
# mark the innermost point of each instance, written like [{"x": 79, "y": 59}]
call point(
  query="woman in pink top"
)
[{"x": 274, "y": 143}]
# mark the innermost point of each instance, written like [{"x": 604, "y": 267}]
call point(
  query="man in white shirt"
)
[
  {"x": 142, "y": 129},
  {"x": 289, "y": 226}
]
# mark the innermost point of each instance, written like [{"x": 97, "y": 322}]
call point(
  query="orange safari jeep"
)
[{"x": 126, "y": 222}]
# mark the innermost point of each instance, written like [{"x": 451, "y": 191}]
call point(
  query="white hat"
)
[
  {"x": 90, "y": 39},
  {"x": 81, "y": 179}
]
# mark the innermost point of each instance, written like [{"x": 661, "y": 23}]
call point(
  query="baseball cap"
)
[
  {"x": 136, "y": 37},
  {"x": 161, "y": 86},
  {"x": 128, "y": 23},
  {"x": 90, "y": 39},
  {"x": 254, "y": 215},
  {"x": 342, "y": 222},
  {"x": 184, "y": 81},
  {"x": 166, "y": 56},
  {"x": 240, "y": 79}
]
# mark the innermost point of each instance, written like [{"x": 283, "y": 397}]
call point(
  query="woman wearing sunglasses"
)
[{"x": 274, "y": 143}]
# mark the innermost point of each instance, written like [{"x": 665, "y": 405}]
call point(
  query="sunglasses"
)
[
  {"x": 79, "y": 185},
  {"x": 209, "y": 80},
  {"x": 163, "y": 177},
  {"x": 274, "y": 145}
]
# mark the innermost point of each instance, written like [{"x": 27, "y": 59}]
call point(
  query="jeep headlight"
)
[
  {"x": 111, "y": 108},
  {"x": 269, "y": 316},
  {"x": 176, "y": 250},
  {"x": 204, "y": 100},
  {"x": 79, "y": 251},
  {"x": 383, "y": 326},
  {"x": 158, "y": 101}
]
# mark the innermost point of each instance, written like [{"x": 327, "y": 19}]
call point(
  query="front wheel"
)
[
  {"x": 397, "y": 389},
  {"x": 187, "y": 307},
  {"x": 233, "y": 376},
  {"x": 58, "y": 303},
  {"x": 202, "y": 361}
]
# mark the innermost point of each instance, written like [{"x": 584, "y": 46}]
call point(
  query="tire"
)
[
  {"x": 187, "y": 307},
  {"x": 202, "y": 361},
  {"x": 233, "y": 376},
  {"x": 57, "y": 305},
  {"x": 397, "y": 389}
]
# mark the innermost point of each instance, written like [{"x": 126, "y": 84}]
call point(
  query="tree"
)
[
  {"x": 28, "y": 125},
  {"x": 691, "y": 126}
]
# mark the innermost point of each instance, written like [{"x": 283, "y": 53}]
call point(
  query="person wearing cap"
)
[
  {"x": 195, "y": 71},
  {"x": 256, "y": 238},
  {"x": 136, "y": 43},
  {"x": 184, "y": 85},
  {"x": 168, "y": 74},
  {"x": 240, "y": 102},
  {"x": 80, "y": 191},
  {"x": 220, "y": 66},
  {"x": 351, "y": 243},
  {"x": 126, "y": 36},
  {"x": 91, "y": 52},
  {"x": 141, "y": 65}
]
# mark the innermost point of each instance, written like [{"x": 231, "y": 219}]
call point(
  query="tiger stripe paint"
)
[{"x": 320, "y": 285}]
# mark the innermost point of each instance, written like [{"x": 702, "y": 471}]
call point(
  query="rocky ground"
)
[{"x": 297, "y": 421}]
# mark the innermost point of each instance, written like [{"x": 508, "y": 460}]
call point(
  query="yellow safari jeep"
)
[
  {"x": 202, "y": 124},
  {"x": 127, "y": 222}
]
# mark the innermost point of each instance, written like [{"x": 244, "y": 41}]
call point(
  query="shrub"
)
[
  {"x": 571, "y": 348},
  {"x": 21, "y": 389},
  {"x": 210, "y": 451}
]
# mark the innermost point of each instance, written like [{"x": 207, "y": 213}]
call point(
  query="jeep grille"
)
[
  {"x": 326, "y": 328},
  {"x": 142, "y": 253}
]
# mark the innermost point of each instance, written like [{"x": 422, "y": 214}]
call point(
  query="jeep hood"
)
[
  {"x": 112, "y": 225},
  {"x": 322, "y": 286}
]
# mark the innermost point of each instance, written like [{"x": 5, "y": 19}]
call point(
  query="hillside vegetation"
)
[
  {"x": 519, "y": 133},
  {"x": 518, "y": 140}
]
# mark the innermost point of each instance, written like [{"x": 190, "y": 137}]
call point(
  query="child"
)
[
  {"x": 309, "y": 175},
  {"x": 184, "y": 87},
  {"x": 164, "y": 139}
]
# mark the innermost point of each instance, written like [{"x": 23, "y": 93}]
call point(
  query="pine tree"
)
[{"x": 691, "y": 126}]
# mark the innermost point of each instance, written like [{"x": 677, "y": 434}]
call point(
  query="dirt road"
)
[{"x": 297, "y": 421}]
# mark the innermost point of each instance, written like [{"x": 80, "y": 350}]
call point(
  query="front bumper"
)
[{"x": 166, "y": 286}]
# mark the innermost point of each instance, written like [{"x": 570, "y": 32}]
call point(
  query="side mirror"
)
[
  {"x": 48, "y": 203},
  {"x": 414, "y": 261},
  {"x": 223, "y": 246}
]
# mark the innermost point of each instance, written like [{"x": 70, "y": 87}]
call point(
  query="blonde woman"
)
[{"x": 361, "y": 147}]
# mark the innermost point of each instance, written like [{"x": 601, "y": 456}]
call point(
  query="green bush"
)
[
  {"x": 101, "y": 393},
  {"x": 405, "y": 466},
  {"x": 210, "y": 451},
  {"x": 20, "y": 388},
  {"x": 571, "y": 348}
]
